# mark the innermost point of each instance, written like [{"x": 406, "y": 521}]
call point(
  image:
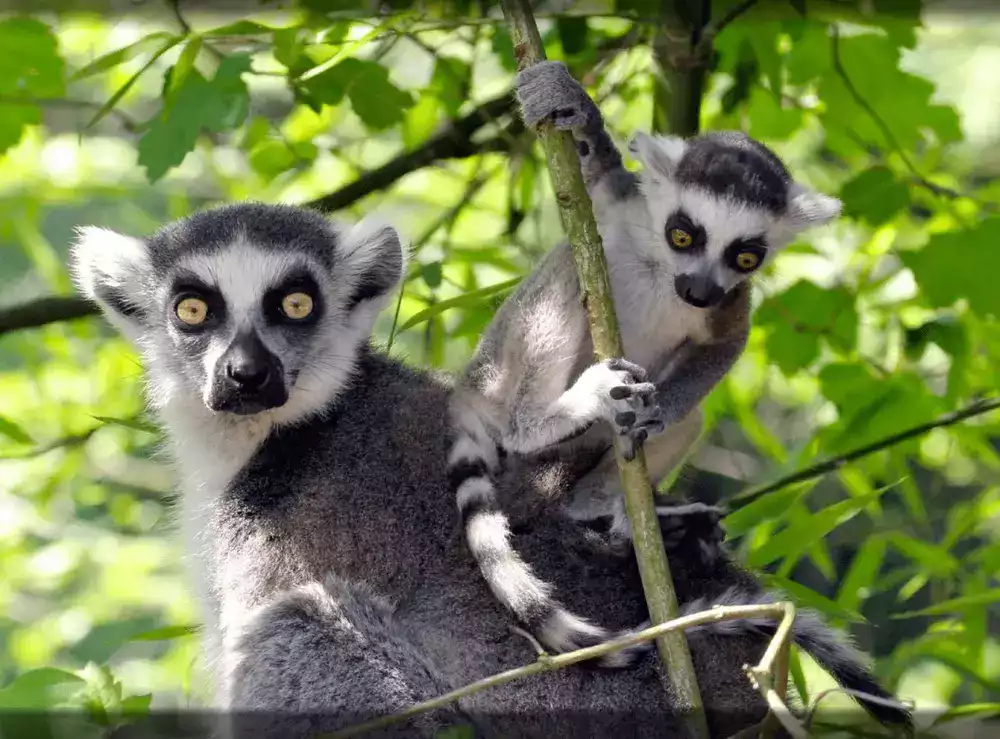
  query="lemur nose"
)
[
  {"x": 248, "y": 364},
  {"x": 248, "y": 375}
]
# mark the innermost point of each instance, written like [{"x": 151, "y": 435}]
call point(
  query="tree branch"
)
[
  {"x": 42, "y": 311},
  {"x": 454, "y": 142},
  {"x": 821, "y": 468},
  {"x": 679, "y": 81},
  {"x": 577, "y": 216},
  {"x": 762, "y": 674}
]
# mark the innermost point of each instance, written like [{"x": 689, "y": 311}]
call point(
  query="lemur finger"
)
[
  {"x": 625, "y": 419},
  {"x": 623, "y": 365}
]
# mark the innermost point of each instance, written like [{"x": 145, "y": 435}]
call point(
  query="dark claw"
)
[
  {"x": 625, "y": 418},
  {"x": 620, "y": 392}
]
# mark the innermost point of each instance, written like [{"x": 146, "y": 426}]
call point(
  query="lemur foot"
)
[
  {"x": 695, "y": 528},
  {"x": 547, "y": 91}
]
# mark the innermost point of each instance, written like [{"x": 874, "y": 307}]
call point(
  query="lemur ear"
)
[
  {"x": 112, "y": 269},
  {"x": 658, "y": 154},
  {"x": 809, "y": 208},
  {"x": 373, "y": 260}
]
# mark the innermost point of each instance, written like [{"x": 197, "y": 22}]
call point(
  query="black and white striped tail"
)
[
  {"x": 509, "y": 577},
  {"x": 828, "y": 647}
]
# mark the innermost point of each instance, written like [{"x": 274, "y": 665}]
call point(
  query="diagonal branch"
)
[
  {"x": 42, "y": 311},
  {"x": 829, "y": 465},
  {"x": 455, "y": 142}
]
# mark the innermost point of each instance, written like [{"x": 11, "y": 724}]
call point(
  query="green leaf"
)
[
  {"x": 184, "y": 65},
  {"x": 954, "y": 605},
  {"x": 796, "y": 539},
  {"x": 450, "y": 83},
  {"x": 215, "y": 105},
  {"x": 120, "y": 92},
  {"x": 473, "y": 298},
  {"x": 942, "y": 268},
  {"x": 137, "y": 705},
  {"x": 120, "y": 56},
  {"x": 431, "y": 274},
  {"x": 810, "y": 598},
  {"x": 768, "y": 507},
  {"x": 14, "y": 117},
  {"x": 935, "y": 560},
  {"x": 874, "y": 196},
  {"x": 165, "y": 633},
  {"x": 41, "y": 688},
  {"x": 503, "y": 47},
  {"x": 270, "y": 158},
  {"x": 30, "y": 63},
  {"x": 14, "y": 432},
  {"x": 240, "y": 28},
  {"x": 377, "y": 102},
  {"x": 132, "y": 423},
  {"x": 798, "y": 675},
  {"x": 862, "y": 573},
  {"x": 572, "y": 32},
  {"x": 799, "y": 316}
]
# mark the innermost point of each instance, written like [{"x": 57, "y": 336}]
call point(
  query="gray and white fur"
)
[
  {"x": 336, "y": 584},
  {"x": 684, "y": 314}
]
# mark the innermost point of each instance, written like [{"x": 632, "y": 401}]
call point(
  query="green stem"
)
[{"x": 578, "y": 221}]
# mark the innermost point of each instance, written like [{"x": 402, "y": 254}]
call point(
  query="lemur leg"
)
[
  {"x": 323, "y": 657},
  {"x": 547, "y": 91},
  {"x": 612, "y": 390}
]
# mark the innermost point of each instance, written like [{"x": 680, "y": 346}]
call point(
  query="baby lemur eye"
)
[
  {"x": 680, "y": 238},
  {"x": 747, "y": 260},
  {"x": 192, "y": 311},
  {"x": 297, "y": 305}
]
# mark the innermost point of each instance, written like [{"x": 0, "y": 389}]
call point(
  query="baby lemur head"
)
[
  {"x": 250, "y": 308},
  {"x": 726, "y": 204}
]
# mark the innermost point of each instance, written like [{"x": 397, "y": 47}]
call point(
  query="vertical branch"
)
[
  {"x": 577, "y": 215},
  {"x": 681, "y": 61}
]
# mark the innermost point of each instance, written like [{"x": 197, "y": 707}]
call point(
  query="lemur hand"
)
[{"x": 547, "y": 91}]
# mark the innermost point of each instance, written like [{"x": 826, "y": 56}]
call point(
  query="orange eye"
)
[
  {"x": 297, "y": 305},
  {"x": 747, "y": 260},
  {"x": 192, "y": 311},
  {"x": 680, "y": 238}
]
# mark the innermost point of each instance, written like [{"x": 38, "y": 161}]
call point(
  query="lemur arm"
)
[
  {"x": 547, "y": 91},
  {"x": 688, "y": 380}
]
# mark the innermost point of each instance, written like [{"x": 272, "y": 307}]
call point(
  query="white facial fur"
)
[{"x": 724, "y": 219}]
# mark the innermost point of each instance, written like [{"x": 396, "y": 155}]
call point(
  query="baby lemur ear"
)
[
  {"x": 113, "y": 270},
  {"x": 658, "y": 154},
  {"x": 372, "y": 261},
  {"x": 809, "y": 208}
]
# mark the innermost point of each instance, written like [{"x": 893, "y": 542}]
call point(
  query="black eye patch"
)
[
  {"x": 296, "y": 281},
  {"x": 189, "y": 285},
  {"x": 745, "y": 255},
  {"x": 683, "y": 234}
]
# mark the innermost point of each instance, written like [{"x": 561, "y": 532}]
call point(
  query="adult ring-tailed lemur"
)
[
  {"x": 681, "y": 242},
  {"x": 318, "y": 511}
]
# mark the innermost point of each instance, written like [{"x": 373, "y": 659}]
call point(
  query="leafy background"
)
[{"x": 880, "y": 324}]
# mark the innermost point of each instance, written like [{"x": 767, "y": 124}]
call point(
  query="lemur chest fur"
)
[{"x": 654, "y": 320}]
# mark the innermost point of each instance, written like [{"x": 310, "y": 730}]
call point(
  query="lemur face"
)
[
  {"x": 726, "y": 203},
  {"x": 251, "y": 308}
]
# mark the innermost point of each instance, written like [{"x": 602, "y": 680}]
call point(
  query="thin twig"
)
[
  {"x": 577, "y": 215},
  {"x": 128, "y": 123},
  {"x": 770, "y": 677},
  {"x": 829, "y": 465},
  {"x": 559, "y": 661}
]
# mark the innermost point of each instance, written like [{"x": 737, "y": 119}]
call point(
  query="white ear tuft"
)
[
  {"x": 809, "y": 208},
  {"x": 374, "y": 258},
  {"x": 659, "y": 154},
  {"x": 113, "y": 270}
]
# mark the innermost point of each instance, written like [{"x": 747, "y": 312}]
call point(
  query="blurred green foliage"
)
[{"x": 885, "y": 321}]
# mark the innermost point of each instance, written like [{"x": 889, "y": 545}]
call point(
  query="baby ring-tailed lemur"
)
[
  {"x": 680, "y": 242},
  {"x": 319, "y": 514}
]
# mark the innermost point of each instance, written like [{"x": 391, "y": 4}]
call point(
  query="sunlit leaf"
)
[
  {"x": 14, "y": 432},
  {"x": 473, "y": 298}
]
